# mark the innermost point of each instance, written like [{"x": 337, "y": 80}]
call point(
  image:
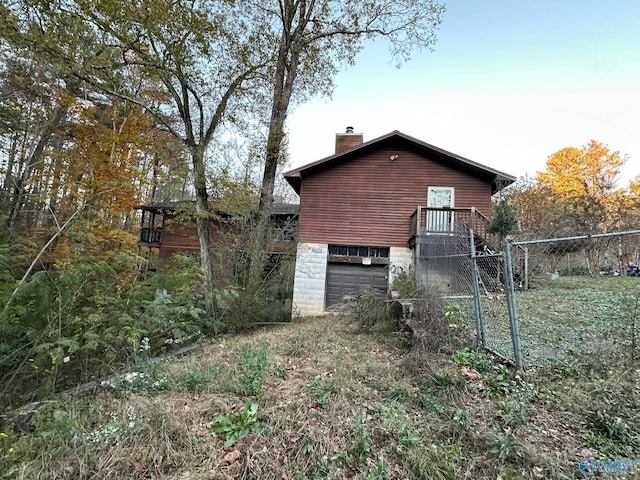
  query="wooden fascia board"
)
[{"x": 294, "y": 177}]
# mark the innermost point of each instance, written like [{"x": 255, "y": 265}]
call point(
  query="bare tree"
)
[{"x": 317, "y": 37}]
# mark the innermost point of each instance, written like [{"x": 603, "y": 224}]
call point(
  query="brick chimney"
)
[{"x": 347, "y": 140}]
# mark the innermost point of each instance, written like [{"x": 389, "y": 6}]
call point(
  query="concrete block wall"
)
[
  {"x": 310, "y": 279},
  {"x": 399, "y": 257}
]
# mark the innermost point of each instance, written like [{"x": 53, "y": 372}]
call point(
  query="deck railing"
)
[
  {"x": 443, "y": 221},
  {"x": 150, "y": 235}
]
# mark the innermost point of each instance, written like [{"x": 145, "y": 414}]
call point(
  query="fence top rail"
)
[{"x": 578, "y": 237}]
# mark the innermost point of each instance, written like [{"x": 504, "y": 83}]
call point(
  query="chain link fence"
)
[
  {"x": 572, "y": 300},
  {"x": 580, "y": 298},
  {"x": 461, "y": 268}
]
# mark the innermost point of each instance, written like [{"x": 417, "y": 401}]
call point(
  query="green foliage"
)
[
  {"x": 406, "y": 436},
  {"x": 436, "y": 462},
  {"x": 607, "y": 447},
  {"x": 500, "y": 382},
  {"x": 504, "y": 218},
  {"x": 504, "y": 445},
  {"x": 239, "y": 425},
  {"x": 467, "y": 357},
  {"x": 447, "y": 385},
  {"x": 253, "y": 370},
  {"x": 461, "y": 417},
  {"x": 361, "y": 442},
  {"x": 446, "y": 329},
  {"x": 455, "y": 318},
  {"x": 149, "y": 381},
  {"x": 574, "y": 270},
  {"x": 428, "y": 402},
  {"x": 81, "y": 320},
  {"x": 196, "y": 381},
  {"x": 609, "y": 426},
  {"x": 320, "y": 390},
  {"x": 241, "y": 309},
  {"x": 404, "y": 281},
  {"x": 379, "y": 471}
]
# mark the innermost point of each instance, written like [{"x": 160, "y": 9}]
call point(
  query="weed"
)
[
  {"x": 609, "y": 426},
  {"x": 361, "y": 442},
  {"x": 406, "y": 436},
  {"x": 461, "y": 417},
  {"x": 504, "y": 445},
  {"x": 513, "y": 413},
  {"x": 428, "y": 403},
  {"x": 404, "y": 281},
  {"x": 308, "y": 446},
  {"x": 397, "y": 394},
  {"x": 252, "y": 371},
  {"x": 320, "y": 388},
  {"x": 195, "y": 381},
  {"x": 380, "y": 471},
  {"x": 150, "y": 381},
  {"x": 448, "y": 385},
  {"x": 606, "y": 447},
  {"x": 499, "y": 383},
  {"x": 114, "y": 431},
  {"x": 454, "y": 317},
  {"x": 279, "y": 372},
  {"x": 467, "y": 357},
  {"x": 434, "y": 462},
  {"x": 446, "y": 326},
  {"x": 238, "y": 426},
  {"x": 321, "y": 470}
]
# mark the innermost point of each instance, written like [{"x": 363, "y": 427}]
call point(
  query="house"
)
[
  {"x": 169, "y": 228},
  {"x": 365, "y": 208}
]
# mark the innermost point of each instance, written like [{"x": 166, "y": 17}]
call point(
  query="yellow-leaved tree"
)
[{"x": 582, "y": 184}]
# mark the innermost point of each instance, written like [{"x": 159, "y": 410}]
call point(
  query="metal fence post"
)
[
  {"x": 526, "y": 268},
  {"x": 480, "y": 335},
  {"x": 511, "y": 302}
]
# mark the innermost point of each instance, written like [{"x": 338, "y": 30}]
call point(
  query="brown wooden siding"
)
[
  {"x": 369, "y": 200},
  {"x": 178, "y": 237}
]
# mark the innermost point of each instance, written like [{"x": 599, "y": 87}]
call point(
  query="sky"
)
[{"x": 508, "y": 84}]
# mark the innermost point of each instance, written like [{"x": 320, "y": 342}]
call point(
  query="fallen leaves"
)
[
  {"x": 231, "y": 457},
  {"x": 471, "y": 374}
]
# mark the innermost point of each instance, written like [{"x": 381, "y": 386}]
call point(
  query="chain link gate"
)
[
  {"x": 467, "y": 274},
  {"x": 495, "y": 309},
  {"x": 563, "y": 312}
]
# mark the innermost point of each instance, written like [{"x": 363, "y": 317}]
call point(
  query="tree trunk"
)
[
  {"x": 203, "y": 225},
  {"x": 285, "y": 77},
  {"x": 35, "y": 157}
]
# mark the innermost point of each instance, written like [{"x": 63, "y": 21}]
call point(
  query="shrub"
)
[
  {"x": 368, "y": 309},
  {"x": 445, "y": 326},
  {"x": 405, "y": 282}
]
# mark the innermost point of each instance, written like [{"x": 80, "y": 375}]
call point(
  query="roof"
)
[
  {"x": 284, "y": 209},
  {"x": 498, "y": 179}
]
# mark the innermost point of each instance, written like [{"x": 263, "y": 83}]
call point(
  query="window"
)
[{"x": 358, "y": 251}]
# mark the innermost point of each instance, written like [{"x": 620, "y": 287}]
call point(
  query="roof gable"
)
[{"x": 498, "y": 179}]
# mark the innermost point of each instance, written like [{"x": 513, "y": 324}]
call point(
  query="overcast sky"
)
[{"x": 509, "y": 83}]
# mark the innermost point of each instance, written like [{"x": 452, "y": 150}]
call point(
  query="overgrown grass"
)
[
  {"x": 573, "y": 320},
  {"x": 336, "y": 402}
]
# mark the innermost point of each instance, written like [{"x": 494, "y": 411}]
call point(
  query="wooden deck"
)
[{"x": 427, "y": 221}]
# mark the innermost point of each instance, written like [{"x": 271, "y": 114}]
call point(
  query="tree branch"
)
[{"x": 37, "y": 258}]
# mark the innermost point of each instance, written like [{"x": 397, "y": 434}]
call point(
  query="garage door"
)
[{"x": 346, "y": 278}]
